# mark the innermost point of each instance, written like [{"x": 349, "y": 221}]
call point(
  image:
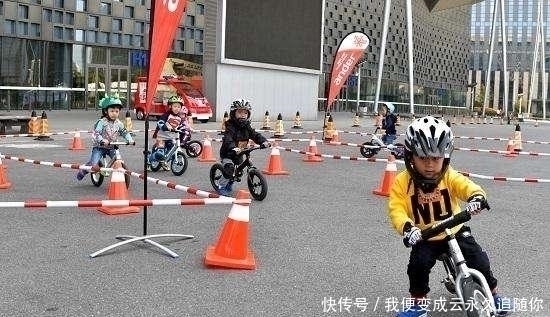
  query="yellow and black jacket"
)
[{"x": 407, "y": 204}]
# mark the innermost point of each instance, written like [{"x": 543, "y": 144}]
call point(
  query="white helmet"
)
[{"x": 428, "y": 137}]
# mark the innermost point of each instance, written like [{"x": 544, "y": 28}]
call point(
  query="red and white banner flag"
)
[
  {"x": 349, "y": 52},
  {"x": 165, "y": 20}
]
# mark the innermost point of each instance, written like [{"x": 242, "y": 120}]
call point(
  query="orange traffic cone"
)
[
  {"x": 275, "y": 167},
  {"x": 312, "y": 148},
  {"x": 4, "y": 182},
  {"x": 510, "y": 149},
  {"x": 118, "y": 191},
  {"x": 387, "y": 178},
  {"x": 206, "y": 155},
  {"x": 77, "y": 142},
  {"x": 232, "y": 250}
]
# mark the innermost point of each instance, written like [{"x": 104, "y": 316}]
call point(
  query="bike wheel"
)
[
  {"x": 193, "y": 148},
  {"x": 97, "y": 178},
  {"x": 216, "y": 173},
  {"x": 368, "y": 152},
  {"x": 156, "y": 166},
  {"x": 476, "y": 304},
  {"x": 256, "y": 184},
  {"x": 126, "y": 177},
  {"x": 179, "y": 164}
]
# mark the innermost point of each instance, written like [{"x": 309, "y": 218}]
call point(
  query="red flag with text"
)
[
  {"x": 166, "y": 18},
  {"x": 349, "y": 52}
]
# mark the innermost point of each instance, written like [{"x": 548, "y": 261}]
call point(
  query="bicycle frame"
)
[
  {"x": 176, "y": 147},
  {"x": 245, "y": 164},
  {"x": 455, "y": 257}
]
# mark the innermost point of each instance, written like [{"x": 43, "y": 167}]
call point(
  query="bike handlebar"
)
[
  {"x": 250, "y": 149},
  {"x": 119, "y": 143},
  {"x": 448, "y": 223}
]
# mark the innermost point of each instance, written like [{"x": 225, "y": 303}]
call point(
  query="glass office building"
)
[
  {"x": 81, "y": 43},
  {"x": 521, "y": 30}
]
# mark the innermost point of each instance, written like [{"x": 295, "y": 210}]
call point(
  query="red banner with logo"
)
[
  {"x": 165, "y": 19},
  {"x": 350, "y": 51}
]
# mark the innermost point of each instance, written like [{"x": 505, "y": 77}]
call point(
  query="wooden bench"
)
[{"x": 7, "y": 122}]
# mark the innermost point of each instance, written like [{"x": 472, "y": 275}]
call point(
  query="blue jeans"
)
[
  {"x": 389, "y": 138},
  {"x": 158, "y": 154},
  {"x": 97, "y": 154}
]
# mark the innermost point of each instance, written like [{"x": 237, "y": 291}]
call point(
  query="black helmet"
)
[
  {"x": 428, "y": 137},
  {"x": 240, "y": 103}
]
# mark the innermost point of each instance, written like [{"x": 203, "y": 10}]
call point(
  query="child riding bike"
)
[
  {"x": 173, "y": 120},
  {"x": 388, "y": 123},
  {"x": 236, "y": 136},
  {"x": 106, "y": 130},
  {"x": 429, "y": 190}
]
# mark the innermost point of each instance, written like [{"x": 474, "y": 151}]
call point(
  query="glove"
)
[
  {"x": 131, "y": 143},
  {"x": 265, "y": 144},
  {"x": 236, "y": 150},
  {"x": 412, "y": 236},
  {"x": 476, "y": 204}
]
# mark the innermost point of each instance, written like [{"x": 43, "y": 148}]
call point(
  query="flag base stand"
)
[{"x": 146, "y": 239}]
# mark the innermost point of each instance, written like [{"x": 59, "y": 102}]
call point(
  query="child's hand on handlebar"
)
[
  {"x": 265, "y": 144},
  {"x": 236, "y": 150},
  {"x": 131, "y": 143},
  {"x": 412, "y": 236},
  {"x": 476, "y": 204}
]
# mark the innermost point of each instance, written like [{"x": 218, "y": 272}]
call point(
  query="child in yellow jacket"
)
[{"x": 428, "y": 191}]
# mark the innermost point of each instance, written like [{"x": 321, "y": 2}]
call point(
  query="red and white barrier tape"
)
[
  {"x": 502, "y": 152},
  {"x": 506, "y": 179},
  {"x": 190, "y": 190},
  {"x": 121, "y": 203},
  {"x": 336, "y": 157}
]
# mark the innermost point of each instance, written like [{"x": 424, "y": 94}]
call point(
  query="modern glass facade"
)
[
  {"x": 98, "y": 45},
  {"x": 521, "y": 31},
  {"x": 440, "y": 56}
]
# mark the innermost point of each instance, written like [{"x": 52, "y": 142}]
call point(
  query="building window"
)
[
  {"x": 57, "y": 17},
  {"x": 139, "y": 27},
  {"x": 138, "y": 41},
  {"x": 128, "y": 12},
  {"x": 79, "y": 35},
  {"x": 47, "y": 15},
  {"x": 69, "y": 18},
  {"x": 190, "y": 34},
  {"x": 199, "y": 9},
  {"x": 23, "y": 12},
  {"x": 22, "y": 28},
  {"x": 1, "y": 7},
  {"x": 190, "y": 20},
  {"x": 199, "y": 35},
  {"x": 9, "y": 27},
  {"x": 116, "y": 39},
  {"x": 198, "y": 48},
  {"x": 57, "y": 33},
  {"x": 181, "y": 46},
  {"x": 81, "y": 5},
  {"x": 59, "y": 3},
  {"x": 35, "y": 30},
  {"x": 93, "y": 22},
  {"x": 126, "y": 39},
  {"x": 103, "y": 38},
  {"x": 105, "y": 8},
  {"x": 69, "y": 34},
  {"x": 91, "y": 36},
  {"x": 116, "y": 24}
]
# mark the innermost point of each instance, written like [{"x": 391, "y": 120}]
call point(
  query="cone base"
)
[
  {"x": 212, "y": 259},
  {"x": 76, "y": 147},
  {"x": 278, "y": 136},
  {"x": 207, "y": 160},
  {"x": 5, "y": 186},
  {"x": 296, "y": 127},
  {"x": 119, "y": 210},
  {"x": 43, "y": 138},
  {"x": 380, "y": 192},
  {"x": 313, "y": 159},
  {"x": 268, "y": 172}
]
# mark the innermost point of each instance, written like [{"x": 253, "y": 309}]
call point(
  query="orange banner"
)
[
  {"x": 166, "y": 17},
  {"x": 350, "y": 51}
]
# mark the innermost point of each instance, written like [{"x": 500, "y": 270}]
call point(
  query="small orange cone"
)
[
  {"x": 206, "y": 155},
  {"x": 118, "y": 191},
  {"x": 77, "y": 142},
  {"x": 275, "y": 167},
  {"x": 4, "y": 182},
  {"x": 387, "y": 178},
  {"x": 312, "y": 148},
  {"x": 232, "y": 250}
]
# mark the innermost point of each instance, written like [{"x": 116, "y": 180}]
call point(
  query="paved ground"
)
[{"x": 319, "y": 236}]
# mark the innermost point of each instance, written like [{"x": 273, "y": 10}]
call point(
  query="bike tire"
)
[
  {"x": 476, "y": 304},
  {"x": 155, "y": 166},
  {"x": 193, "y": 148},
  {"x": 178, "y": 165},
  {"x": 449, "y": 269},
  {"x": 126, "y": 176},
  {"x": 368, "y": 152},
  {"x": 216, "y": 173},
  {"x": 97, "y": 178},
  {"x": 257, "y": 184}
]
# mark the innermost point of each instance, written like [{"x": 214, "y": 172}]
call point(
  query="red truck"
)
[{"x": 198, "y": 105}]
